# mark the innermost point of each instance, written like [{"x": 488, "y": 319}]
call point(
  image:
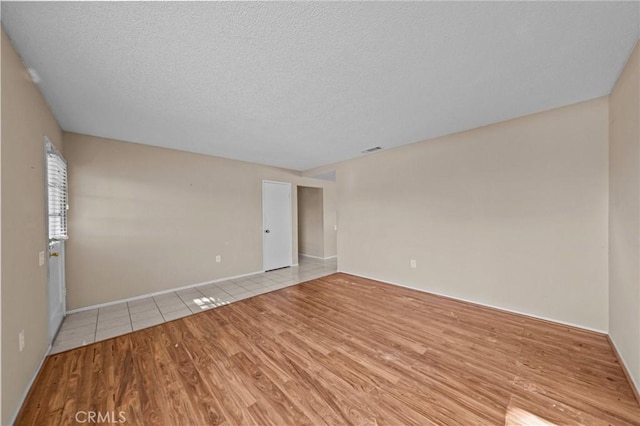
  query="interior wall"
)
[
  {"x": 1, "y": 403},
  {"x": 144, "y": 219},
  {"x": 330, "y": 221},
  {"x": 310, "y": 221},
  {"x": 512, "y": 215},
  {"x": 624, "y": 215},
  {"x": 26, "y": 120}
]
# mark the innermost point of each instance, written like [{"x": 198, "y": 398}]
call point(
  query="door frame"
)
[
  {"x": 52, "y": 334},
  {"x": 264, "y": 240}
]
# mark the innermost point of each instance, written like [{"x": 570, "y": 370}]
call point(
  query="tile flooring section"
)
[{"x": 93, "y": 325}]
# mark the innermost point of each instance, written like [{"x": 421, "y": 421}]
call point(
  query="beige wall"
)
[
  {"x": 1, "y": 418},
  {"x": 26, "y": 119},
  {"x": 310, "y": 221},
  {"x": 330, "y": 221},
  {"x": 512, "y": 215},
  {"x": 144, "y": 219},
  {"x": 624, "y": 215}
]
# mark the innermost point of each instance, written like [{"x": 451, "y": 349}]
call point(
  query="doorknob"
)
[
  {"x": 54, "y": 254},
  {"x": 267, "y": 231}
]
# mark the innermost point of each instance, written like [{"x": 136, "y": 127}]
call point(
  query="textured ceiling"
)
[{"x": 299, "y": 85}]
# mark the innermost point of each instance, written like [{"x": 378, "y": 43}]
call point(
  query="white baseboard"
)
[
  {"x": 635, "y": 385},
  {"x": 582, "y": 327},
  {"x": 158, "y": 293},
  {"x": 28, "y": 388},
  {"x": 316, "y": 257}
]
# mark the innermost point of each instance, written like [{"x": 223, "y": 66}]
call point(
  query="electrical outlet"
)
[
  {"x": 218, "y": 259},
  {"x": 335, "y": 227},
  {"x": 413, "y": 263},
  {"x": 41, "y": 258},
  {"x": 21, "y": 340}
]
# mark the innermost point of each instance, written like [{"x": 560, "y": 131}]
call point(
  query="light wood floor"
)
[{"x": 341, "y": 350}]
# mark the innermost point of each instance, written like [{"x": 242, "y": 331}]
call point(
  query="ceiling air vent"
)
[{"x": 370, "y": 150}]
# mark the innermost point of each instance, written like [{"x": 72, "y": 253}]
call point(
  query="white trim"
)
[
  {"x": 316, "y": 257},
  {"x": 158, "y": 293},
  {"x": 310, "y": 256},
  {"x": 625, "y": 366},
  {"x": 28, "y": 388},
  {"x": 583, "y": 327}
]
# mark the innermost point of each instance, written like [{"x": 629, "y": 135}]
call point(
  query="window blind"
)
[{"x": 57, "y": 194}]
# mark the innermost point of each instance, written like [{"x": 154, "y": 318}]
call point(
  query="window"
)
[{"x": 56, "y": 193}]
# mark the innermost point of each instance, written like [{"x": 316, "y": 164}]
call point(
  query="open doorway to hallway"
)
[
  {"x": 316, "y": 225},
  {"x": 310, "y": 222}
]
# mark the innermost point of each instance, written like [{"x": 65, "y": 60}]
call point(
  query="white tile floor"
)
[{"x": 93, "y": 325}]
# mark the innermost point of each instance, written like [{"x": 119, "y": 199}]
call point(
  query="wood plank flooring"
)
[{"x": 341, "y": 350}]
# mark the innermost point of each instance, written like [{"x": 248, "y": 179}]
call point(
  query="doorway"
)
[
  {"x": 311, "y": 222},
  {"x": 57, "y": 205},
  {"x": 277, "y": 237}
]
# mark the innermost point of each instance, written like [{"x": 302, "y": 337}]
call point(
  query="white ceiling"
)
[{"x": 299, "y": 85}]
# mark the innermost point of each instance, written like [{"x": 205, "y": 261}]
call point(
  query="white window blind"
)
[{"x": 57, "y": 193}]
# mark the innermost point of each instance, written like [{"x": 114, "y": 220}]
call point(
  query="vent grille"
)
[{"x": 370, "y": 150}]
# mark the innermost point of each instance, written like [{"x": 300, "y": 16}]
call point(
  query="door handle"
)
[
  {"x": 267, "y": 231},
  {"x": 54, "y": 254}
]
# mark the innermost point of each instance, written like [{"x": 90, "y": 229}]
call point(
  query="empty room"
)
[{"x": 287, "y": 213}]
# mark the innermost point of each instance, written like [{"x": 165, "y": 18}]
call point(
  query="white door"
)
[
  {"x": 57, "y": 196},
  {"x": 276, "y": 225},
  {"x": 56, "y": 287}
]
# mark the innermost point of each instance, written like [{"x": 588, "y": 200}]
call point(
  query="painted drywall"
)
[
  {"x": 2, "y": 35},
  {"x": 144, "y": 219},
  {"x": 624, "y": 215},
  {"x": 512, "y": 215},
  {"x": 26, "y": 120},
  {"x": 310, "y": 221},
  {"x": 330, "y": 221}
]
